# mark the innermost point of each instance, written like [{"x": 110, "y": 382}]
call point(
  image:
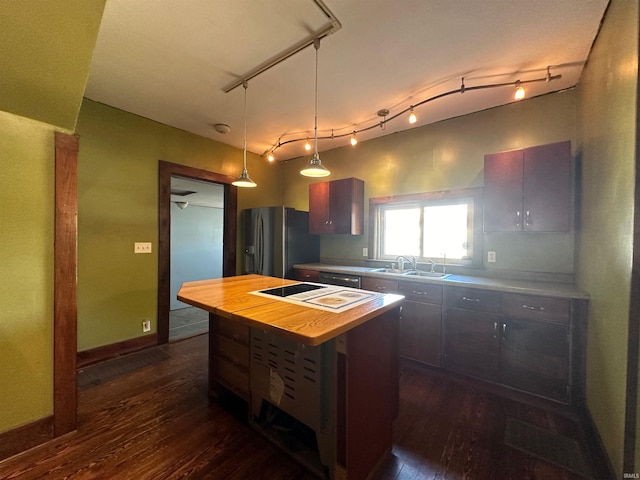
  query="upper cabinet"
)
[
  {"x": 336, "y": 207},
  {"x": 528, "y": 190}
]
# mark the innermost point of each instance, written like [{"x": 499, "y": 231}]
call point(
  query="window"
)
[{"x": 433, "y": 226}]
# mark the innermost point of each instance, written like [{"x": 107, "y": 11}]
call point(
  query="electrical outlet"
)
[
  {"x": 491, "y": 257},
  {"x": 142, "y": 247},
  {"x": 365, "y": 252},
  {"x": 146, "y": 326}
]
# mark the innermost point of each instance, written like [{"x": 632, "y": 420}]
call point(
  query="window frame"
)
[{"x": 472, "y": 196}]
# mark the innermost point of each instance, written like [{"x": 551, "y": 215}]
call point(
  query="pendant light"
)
[
  {"x": 243, "y": 180},
  {"x": 315, "y": 168}
]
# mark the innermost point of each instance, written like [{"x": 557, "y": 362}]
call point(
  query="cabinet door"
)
[
  {"x": 472, "y": 343},
  {"x": 546, "y": 189},
  {"x": 421, "y": 332},
  {"x": 319, "y": 208},
  {"x": 503, "y": 191},
  {"x": 379, "y": 285},
  {"x": 346, "y": 206},
  {"x": 535, "y": 357},
  {"x": 306, "y": 275}
]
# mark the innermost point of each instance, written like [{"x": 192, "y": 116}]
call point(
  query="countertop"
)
[
  {"x": 550, "y": 289},
  {"x": 229, "y": 297}
]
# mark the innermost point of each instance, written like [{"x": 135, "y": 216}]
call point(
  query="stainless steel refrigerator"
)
[{"x": 275, "y": 239}]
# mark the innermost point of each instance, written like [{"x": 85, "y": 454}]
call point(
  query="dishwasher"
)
[{"x": 352, "y": 281}]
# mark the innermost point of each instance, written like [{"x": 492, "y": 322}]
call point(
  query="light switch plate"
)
[
  {"x": 365, "y": 252},
  {"x": 491, "y": 257}
]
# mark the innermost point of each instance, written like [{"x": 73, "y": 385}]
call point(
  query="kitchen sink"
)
[
  {"x": 415, "y": 273},
  {"x": 422, "y": 273},
  {"x": 389, "y": 270}
]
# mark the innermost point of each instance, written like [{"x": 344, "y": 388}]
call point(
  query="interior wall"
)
[
  {"x": 607, "y": 118},
  {"x": 26, "y": 283},
  {"x": 117, "y": 206},
  {"x": 196, "y": 246},
  {"x": 450, "y": 155}
]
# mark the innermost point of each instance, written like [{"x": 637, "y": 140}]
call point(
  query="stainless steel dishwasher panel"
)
[{"x": 352, "y": 281}]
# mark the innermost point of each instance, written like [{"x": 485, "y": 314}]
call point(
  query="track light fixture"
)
[
  {"x": 354, "y": 140},
  {"x": 519, "y": 94},
  {"x": 243, "y": 180},
  {"x": 383, "y": 113}
]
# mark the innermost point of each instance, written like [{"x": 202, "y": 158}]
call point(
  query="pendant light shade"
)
[
  {"x": 315, "y": 168},
  {"x": 244, "y": 180}
]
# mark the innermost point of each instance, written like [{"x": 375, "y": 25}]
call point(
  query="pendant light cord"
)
[
  {"x": 244, "y": 84},
  {"x": 316, "y": 45}
]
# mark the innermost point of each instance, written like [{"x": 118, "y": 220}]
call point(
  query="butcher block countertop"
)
[{"x": 229, "y": 297}]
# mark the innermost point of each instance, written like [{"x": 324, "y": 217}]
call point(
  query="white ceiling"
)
[{"x": 168, "y": 60}]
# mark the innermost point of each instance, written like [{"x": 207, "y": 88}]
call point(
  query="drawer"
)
[
  {"x": 472, "y": 299},
  {"x": 232, "y": 376},
  {"x": 536, "y": 308},
  {"x": 421, "y": 292},
  {"x": 233, "y": 330},
  {"x": 380, "y": 285},
  {"x": 307, "y": 275},
  {"x": 233, "y": 352}
]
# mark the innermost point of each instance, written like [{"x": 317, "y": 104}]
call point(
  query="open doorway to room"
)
[
  {"x": 172, "y": 268},
  {"x": 197, "y": 225}
]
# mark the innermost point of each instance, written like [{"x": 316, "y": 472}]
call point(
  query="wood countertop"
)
[{"x": 229, "y": 297}]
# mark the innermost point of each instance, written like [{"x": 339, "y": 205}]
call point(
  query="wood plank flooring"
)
[{"x": 157, "y": 423}]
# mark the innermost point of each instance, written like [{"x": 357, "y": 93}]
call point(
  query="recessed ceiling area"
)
[
  {"x": 196, "y": 193},
  {"x": 169, "y": 61}
]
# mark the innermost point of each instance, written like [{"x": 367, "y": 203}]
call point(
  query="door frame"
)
[{"x": 167, "y": 170}]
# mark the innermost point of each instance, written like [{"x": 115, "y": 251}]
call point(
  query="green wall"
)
[
  {"x": 117, "y": 197},
  {"x": 449, "y": 155},
  {"x": 45, "y": 54},
  {"x": 26, "y": 283},
  {"x": 607, "y": 118}
]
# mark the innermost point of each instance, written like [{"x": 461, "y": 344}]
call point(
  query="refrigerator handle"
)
[{"x": 260, "y": 246}]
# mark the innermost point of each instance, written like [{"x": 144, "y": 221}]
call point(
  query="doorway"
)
[{"x": 168, "y": 170}]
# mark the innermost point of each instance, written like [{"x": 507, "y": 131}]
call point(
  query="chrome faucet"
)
[
  {"x": 433, "y": 265},
  {"x": 401, "y": 259}
]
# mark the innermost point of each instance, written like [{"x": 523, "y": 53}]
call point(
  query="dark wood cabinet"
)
[
  {"x": 421, "y": 322},
  {"x": 528, "y": 190},
  {"x": 336, "y": 207},
  {"x": 521, "y": 341},
  {"x": 381, "y": 285},
  {"x": 471, "y": 333},
  {"x": 305, "y": 275}
]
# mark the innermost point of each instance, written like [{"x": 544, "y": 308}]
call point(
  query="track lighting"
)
[
  {"x": 243, "y": 180},
  {"x": 412, "y": 116},
  {"x": 354, "y": 140},
  {"x": 307, "y": 145},
  {"x": 519, "y": 93},
  {"x": 315, "y": 168},
  {"x": 383, "y": 113},
  {"x": 271, "y": 157}
]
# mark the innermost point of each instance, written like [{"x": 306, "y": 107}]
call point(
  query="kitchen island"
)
[{"x": 321, "y": 379}]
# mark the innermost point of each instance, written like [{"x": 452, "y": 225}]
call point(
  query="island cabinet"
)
[
  {"x": 336, "y": 207},
  {"x": 229, "y": 356},
  {"x": 528, "y": 190},
  {"x": 520, "y": 341}
]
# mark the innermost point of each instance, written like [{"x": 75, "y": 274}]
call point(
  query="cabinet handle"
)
[
  {"x": 418, "y": 293},
  {"x": 518, "y": 218},
  {"x": 527, "y": 218},
  {"x": 504, "y": 331},
  {"x": 381, "y": 288},
  {"x": 531, "y": 307},
  {"x": 467, "y": 299},
  {"x": 495, "y": 329}
]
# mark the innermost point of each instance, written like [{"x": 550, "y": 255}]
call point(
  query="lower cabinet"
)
[
  {"x": 306, "y": 275},
  {"x": 228, "y": 355},
  {"x": 521, "y": 341}
]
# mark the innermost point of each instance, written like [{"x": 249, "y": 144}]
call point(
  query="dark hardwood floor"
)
[{"x": 157, "y": 423}]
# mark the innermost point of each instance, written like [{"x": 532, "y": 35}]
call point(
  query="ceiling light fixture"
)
[
  {"x": 385, "y": 112},
  {"x": 243, "y": 180},
  {"x": 315, "y": 168},
  {"x": 354, "y": 140},
  {"x": 412, "y": 116},
  {"x": 307, "y": 145},
  {"x": 519, "y": 93},
  {"x": 270, "y": 157}
]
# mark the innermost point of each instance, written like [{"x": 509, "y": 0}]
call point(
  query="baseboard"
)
[
  {"x": 601, "y": 461},
  {"x": 25, "y": 437},
  {"x": 106, "y": 352}
]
